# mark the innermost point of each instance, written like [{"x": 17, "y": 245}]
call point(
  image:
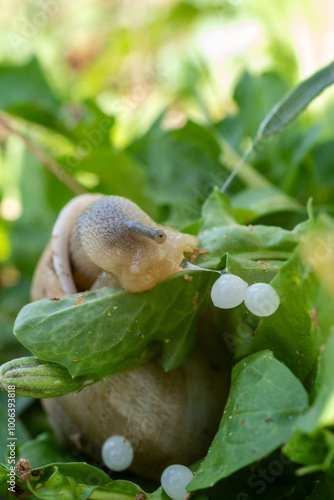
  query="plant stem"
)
[{"x": 44, "y": 158}]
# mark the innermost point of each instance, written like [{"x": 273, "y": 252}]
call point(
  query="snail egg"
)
[
  {"x": 174, "y": 481},
  {"x": 117, "y": 453},
  {"x": 261, "y": 299},
  {"x": 228, "y": 291}
]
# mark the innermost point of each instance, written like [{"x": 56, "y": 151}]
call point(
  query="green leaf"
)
[
  {"x": 249, "y": 242},
  {"x": 43, "y": 450},
  {"x": 188, "y": 161},
  {"x": 303, "y": 320},
  {"x": 249, "y": 270},
  {"x": 70, "y": 489},
  {"x": 307, "y": 449},
  {"x": 264, "y": 402},
  {"x": 216, "y": 211},
  {"x": 295, "y": 101},
  {"x": 254, "y": 95},
  {"x": 110, "y": 330},
  {"x": 321, "y": 413},
  {"x": 263, "y": 201},
  {"x": 23, "y": 84},
  {"x": 76, "y": 480},
  {"x": 118, "y": 490},
  {"x": 118, "y": 173}
]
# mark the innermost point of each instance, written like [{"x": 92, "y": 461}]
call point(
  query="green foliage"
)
[
  {"x": 264, "y": 401},
  {"x": 103, "y": 112},
  {"x": 76, "y": 327}
]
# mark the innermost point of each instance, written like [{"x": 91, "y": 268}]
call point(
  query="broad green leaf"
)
[
  {"x": 263, "y": 201},
  {"x": 110, "y": 330},
  {"x": 303, "y": 320},
  {"x": 249, "y": 242},
  {"x": 295, "y": 101},
  {"x": 76, "y": 480},
  {"x": 307, "y": 449},
  {"x": 118, "y": 490},
  {"x": 70, "y": 489},
  {"x": 321, "y": 413},
  {"x": 118, "y": 174},
  {"x": 216, "y": 211},
  {"x": 23, "y": 84},
  {"x": 264, "y": 402},
  {"x": 250, "y": 270},
  {"x": 182, "y": 167},
  {"x": 43, "y": 450},
  {"x": 220, "y": 233}
]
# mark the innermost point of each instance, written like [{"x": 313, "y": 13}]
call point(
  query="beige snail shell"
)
[{"x": 168, "y": 417}]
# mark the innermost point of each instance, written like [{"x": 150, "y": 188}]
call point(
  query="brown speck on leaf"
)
[
  {"x": 108, "y": 313},
  {"x": 55, "y": 299},
  {"x": 225, "y": 236},
  {"x": 140, "y": 496},
  {"x": 250, "y": 226},
  {"x": 23, "y": 468},
  {"x": 195, "y": 300},
  {"x": 79, "y": 301},
  {"x": 314, "y": 317},
  {"x": 196, "y": 253},
  {"x": 262, "y": 262},
  {"x": 140, "y": 335},
  {"x": 299, "y": 352},
  {"x": 167, "y": 341},
  {"x": 268, "y": 420},
  {"x": 240, "y": 421}
]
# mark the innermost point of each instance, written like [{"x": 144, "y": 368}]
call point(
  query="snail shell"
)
[{"x": 168, "y": 417}]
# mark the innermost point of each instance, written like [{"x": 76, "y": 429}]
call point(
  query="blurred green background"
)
[{"x": 154, "y": 100}]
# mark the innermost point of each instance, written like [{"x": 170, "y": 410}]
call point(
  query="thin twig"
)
[{"x": 45, "y": 159}]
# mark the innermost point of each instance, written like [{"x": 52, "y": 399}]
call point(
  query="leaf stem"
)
[{"x": 44, "y": 158}]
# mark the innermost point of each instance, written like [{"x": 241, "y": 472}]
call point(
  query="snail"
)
[
  {"x": 109, "y": 241},
  {"x": 167, "y": 417}
]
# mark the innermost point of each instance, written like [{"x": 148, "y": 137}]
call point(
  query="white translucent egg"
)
[
  {"x": 117, "y": 453},
  {"x": 174, "y": 481},
  {"x": 228, "y": 291},
  {"x": 261, "y": 299}
]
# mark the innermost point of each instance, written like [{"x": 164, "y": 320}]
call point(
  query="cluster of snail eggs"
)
[
  {"x": 229, "y": 291},
  {"x": 117, "y": 455}
]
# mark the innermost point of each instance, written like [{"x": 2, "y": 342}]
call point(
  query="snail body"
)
[
  {"x": 168, "y": 417},
  {"x": 109, "y": 241}
]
